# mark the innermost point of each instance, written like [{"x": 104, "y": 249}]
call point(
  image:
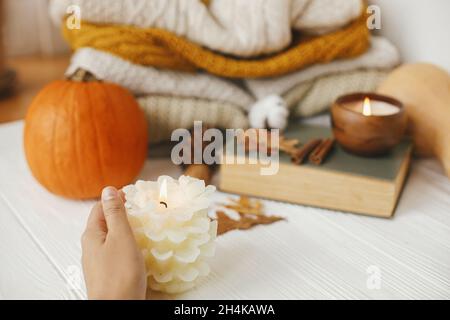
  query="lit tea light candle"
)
[
  {"x": 171, "y": 225},
  {"x": 373, "y": 107},
  {"x": 367, "y": 123}
]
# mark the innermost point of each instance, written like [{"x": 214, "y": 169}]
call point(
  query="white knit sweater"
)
[
  {"x": 240, "y": 27},
  {"x": 148, "y": 80}
]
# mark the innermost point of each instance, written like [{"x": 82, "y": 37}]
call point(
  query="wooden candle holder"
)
[{"x": 367, "y": 135}]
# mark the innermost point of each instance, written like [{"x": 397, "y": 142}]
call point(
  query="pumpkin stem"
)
[{"x": 81, "y": 75}]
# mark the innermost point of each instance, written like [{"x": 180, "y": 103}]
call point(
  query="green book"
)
[{"x": 343, "y": 182}]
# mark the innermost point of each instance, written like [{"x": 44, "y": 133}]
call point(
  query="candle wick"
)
[{"x": 163, "y": 203}]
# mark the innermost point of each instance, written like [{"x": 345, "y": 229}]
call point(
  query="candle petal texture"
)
[{"x": 176, "y": 240}]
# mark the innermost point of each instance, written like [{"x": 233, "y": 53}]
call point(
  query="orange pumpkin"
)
[{"x": 82, "y": 136}]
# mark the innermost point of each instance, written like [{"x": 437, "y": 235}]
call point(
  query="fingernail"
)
[{"x": 109, "y": 193}]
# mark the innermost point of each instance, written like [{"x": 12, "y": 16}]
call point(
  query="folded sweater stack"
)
[{"x": 176, "y": 56}]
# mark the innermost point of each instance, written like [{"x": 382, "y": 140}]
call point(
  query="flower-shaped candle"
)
[{"x": 171, "y": 225}]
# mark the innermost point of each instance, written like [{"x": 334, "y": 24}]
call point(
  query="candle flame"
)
[
  {"x": 163, "y": 191},
  {"x": 367, "y": 110}
]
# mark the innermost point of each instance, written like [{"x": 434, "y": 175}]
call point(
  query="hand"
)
[{"x": 113, "y": 265}]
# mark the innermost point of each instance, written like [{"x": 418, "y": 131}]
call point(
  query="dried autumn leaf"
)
[
  {"x": 245, "y": 205},
  {"x": 250, "y": 215},
  {"x": 226, "y": 223}
]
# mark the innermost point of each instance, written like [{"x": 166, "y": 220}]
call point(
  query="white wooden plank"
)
[
  {"x": 25, "y": 272},
  {"x": 315, "y": 254}
]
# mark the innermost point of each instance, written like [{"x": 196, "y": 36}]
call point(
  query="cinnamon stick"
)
[
  {"x": 299, "y": 156},
  {"x": 321, "y": 151}
]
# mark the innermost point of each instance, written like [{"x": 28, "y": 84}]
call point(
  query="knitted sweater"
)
[
  {"x": 167, "y": 113},
  {"x": 239, "y": 27},
  {"x": 148, "y": 80},
  {"x": 381, "y": 55},
  {"x": 315, "y": 96},
  {"x": 160, "y": 48}
]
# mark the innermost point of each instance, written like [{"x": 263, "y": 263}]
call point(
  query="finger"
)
[
  {"x": 114, "y": 211},
  {"x": 122, "y": 195},
  {"x": 96, "y": 225},
  {"x": 96, "y": 219}
]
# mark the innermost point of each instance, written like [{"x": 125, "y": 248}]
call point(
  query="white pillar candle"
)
[
  {"x": 373, "y": 107},
  {"x": 170, "y": 221}
]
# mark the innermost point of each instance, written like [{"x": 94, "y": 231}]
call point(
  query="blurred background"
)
[{"x": 33, "y": 47}]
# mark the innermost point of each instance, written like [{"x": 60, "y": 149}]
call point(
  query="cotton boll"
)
[
  {"x": 270, "y": 111},
  {"x": 278, "y": 117}
]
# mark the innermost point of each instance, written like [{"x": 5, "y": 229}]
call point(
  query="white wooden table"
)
[{"x": 315, "y": 254}]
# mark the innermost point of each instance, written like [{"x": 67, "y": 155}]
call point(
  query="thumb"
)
[{"x": 114, "y": 211}]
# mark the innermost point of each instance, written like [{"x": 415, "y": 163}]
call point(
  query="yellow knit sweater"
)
[{"x": 163, "y": 49}]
